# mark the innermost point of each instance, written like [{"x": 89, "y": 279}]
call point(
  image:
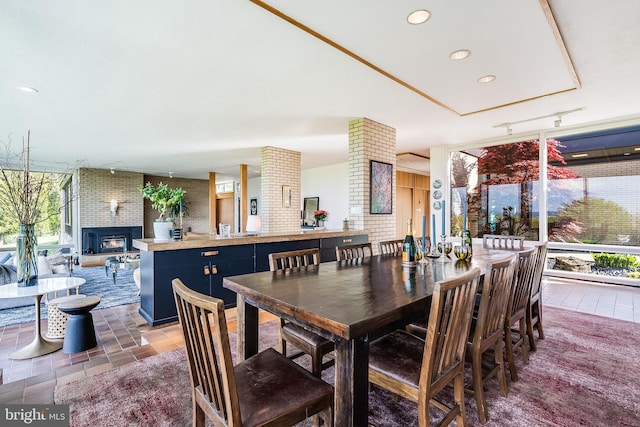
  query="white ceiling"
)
[{"x": 196, "y": 86}]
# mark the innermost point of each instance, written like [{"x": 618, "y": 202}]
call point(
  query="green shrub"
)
[
  {"x": 634, "y": 275},
  {"x": 615, "y": 260}
]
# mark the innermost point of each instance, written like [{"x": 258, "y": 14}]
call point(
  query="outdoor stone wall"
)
[
  {"x": 196, "y": 200},
  {"x": 280, "y": 168},
  {"x": 369, "y": 140},
  {"x": 96, "y": 189}
]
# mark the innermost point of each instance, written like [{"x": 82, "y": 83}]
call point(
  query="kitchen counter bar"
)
[{"x": 202, "y": 261}]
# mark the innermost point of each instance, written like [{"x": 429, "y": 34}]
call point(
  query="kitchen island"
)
[{"x": 202, "y": 261}]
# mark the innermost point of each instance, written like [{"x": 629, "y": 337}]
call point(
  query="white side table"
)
[{"x": 39, "y": 346}]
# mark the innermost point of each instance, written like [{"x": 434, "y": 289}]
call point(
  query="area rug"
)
[
  {"x": 124, "y": 291},
  {"x": 584, "y": 373}
]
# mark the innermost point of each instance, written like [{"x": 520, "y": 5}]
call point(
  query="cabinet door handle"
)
[
  {"x": 206, "y": 270},
  {"x": 209, "y": 253},
  {"x": 346, "y": 240},
  {"x": 214, "y": 269}
]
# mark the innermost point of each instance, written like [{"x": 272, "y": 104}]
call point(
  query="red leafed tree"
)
[{"x": 518, "y": 163}]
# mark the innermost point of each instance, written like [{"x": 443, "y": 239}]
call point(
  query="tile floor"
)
[{"x": 123, "y": 337}]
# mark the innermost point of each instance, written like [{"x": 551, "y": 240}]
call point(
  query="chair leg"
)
[
  {"x": 478, "y": 386},
  {"x": 502, "y": 378},
  {"x": 529, "y": 322},
  {"x": 458, "y": 393},
  {"x": 525, "y": 341},
  {"x": 538, "y": 311},
  {"x": 198, "y": 414},
  {"x": 508, "y": 345},
  {"x": 316, "y": 364}
]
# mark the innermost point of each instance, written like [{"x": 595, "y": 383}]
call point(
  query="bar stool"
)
[
  {"x": 57, "y": 320},
  {"x": 80, "y": 334}
]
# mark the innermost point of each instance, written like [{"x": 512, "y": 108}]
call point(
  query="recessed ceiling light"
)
[
  {"x": 28, "y": 89},
  {"x": 577, "y": 156},
  {"x": 487, "y": 79},
  {"x": 459, "y": 54},
  {"x": 418, "y": 17}
]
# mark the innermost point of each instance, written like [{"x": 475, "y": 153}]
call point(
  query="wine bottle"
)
[{"x": 409, "y": 245}]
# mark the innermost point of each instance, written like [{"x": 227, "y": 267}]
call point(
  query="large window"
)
[{"x": 590, "y": 213}]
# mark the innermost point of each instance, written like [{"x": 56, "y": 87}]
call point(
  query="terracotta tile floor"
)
[{"x": 124, "y": 336}]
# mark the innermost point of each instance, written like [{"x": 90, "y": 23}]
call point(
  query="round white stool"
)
[{"x": 57, "y": 320}]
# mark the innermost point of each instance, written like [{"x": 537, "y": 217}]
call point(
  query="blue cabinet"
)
[{"x": 203, "y": 269}]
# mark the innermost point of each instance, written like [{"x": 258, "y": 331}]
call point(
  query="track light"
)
[
  {"x": 558, "y": 122},
  {"x": 170, "y": 174},
  {"x": 113, "y": 171},
  {"x": 509, "y": 130}
]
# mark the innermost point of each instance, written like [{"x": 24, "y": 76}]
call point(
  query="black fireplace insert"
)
[{"x": 100, "y": 240}]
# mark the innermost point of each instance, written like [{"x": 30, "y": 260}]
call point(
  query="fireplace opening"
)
[{"x": 113, "y": 243}]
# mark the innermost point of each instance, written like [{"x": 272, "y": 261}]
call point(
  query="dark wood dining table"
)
[{"x": 350, "y": 303}]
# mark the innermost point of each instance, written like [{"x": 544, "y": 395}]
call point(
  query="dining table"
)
[{"x": 351, "y": 303}]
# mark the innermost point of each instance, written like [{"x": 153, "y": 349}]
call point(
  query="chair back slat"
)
[
  {"x": 294, "y": 259},
  {"x": 496, "y": 289},
  {"x": 204, "y": 328},
  {"x": 448, "y": 328},
  {"x": 501, "y": 241},
  {"x": 390, "y": 247},
  {"x": 353, "y": 252},
  {"x": 523, "y": 281},
  {"x": 541, "y": 259}
]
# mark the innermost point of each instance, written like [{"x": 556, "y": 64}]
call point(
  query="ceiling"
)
[{"x": 197, "y": 86}]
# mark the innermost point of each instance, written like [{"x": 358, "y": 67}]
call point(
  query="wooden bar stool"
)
[{"x": 80, "y": 334}]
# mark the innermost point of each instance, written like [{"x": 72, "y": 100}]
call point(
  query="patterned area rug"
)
[
  {"x": 124, "y": 291},
  {"x": 584, "y": 373}
]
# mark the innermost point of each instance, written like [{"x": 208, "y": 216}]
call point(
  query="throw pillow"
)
[
  {"x": 43, "y": 266},
  {"x": 56, "y": 258},
  {"x": 59, "y": 269},
  {"x": 13, "y": 261},
  {"x": 4, "y": 256}
]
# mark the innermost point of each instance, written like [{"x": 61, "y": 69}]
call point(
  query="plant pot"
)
[{"x": 162, "y": 231}]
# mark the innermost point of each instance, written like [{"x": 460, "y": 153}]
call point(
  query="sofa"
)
[{"x": 53, "y": 265}]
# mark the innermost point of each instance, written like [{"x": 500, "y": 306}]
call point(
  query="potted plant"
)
[{"x": 166, "y": 201}]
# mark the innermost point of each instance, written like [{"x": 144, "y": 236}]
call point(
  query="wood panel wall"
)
[{"x": 412, "y": 191}]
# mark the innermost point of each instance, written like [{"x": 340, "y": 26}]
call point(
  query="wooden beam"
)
[
  {"x": 243, "y": 198},
  {"x": 213, "y": 220}
]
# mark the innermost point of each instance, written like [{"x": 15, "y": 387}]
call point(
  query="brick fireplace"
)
[{"x": 104, "y": 240}]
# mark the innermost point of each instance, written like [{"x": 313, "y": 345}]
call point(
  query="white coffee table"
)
[{"x": 39, "y": 346}]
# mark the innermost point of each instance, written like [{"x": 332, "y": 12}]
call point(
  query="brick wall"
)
[
  {"x": 280, "y": 168},
  {"x": 96, "y": 189},
  {"x": 196, "y": 200},
  {"x": 369, "y": 140}
]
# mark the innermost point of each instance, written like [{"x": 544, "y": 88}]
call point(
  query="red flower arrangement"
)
[{"x": 320, "y": 215}]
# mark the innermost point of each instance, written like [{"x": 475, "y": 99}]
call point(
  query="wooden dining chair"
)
[
  {"x": 500, "y": 241},
  {"x": 408, "y": 366},
  {"x": 534, "y": 308},
  {"x": 517, "y": 310},
  {"x": 353, "y": 252},
  {"x": 390, "y": 247},
  {"x": 266, "y": 389},
  {"x": 487, "y": 330},
  {"x": 305, "y": 341}
]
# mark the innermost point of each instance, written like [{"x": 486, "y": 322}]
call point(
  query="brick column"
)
[
  {"x": 280, "y": 168},
  {"x": 369, "y": 140}
]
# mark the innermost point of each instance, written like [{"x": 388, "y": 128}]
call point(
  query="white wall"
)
[{"x": 331, "y": 185}]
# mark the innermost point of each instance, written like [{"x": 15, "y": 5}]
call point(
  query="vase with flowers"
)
[
  {"x": 320, "y": 215},
  {"x": 23, "y": 195}
]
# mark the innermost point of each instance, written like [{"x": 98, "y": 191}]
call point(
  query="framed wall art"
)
[
  {"x": 381, "y": 187},
  {"x": 253, "y": 207}
]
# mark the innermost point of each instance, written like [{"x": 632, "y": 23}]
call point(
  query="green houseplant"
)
[{"x": 166, "y": 201}]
